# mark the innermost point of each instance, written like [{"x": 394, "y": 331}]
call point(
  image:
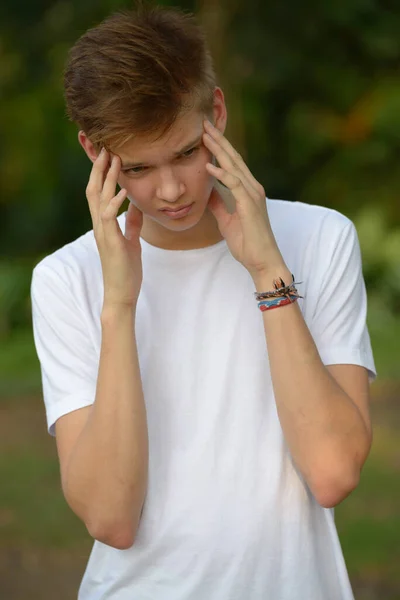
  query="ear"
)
[
  {"x": 87, "y": 145},
  {"x": 219, "y": 110}
]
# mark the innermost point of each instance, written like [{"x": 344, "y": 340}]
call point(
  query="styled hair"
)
[{"x": 136, "y": 72}]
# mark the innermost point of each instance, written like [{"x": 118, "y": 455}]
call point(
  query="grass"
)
[
  {"x": 368, "y": 521},
  {"x": 34, "y": 514},
  {"x": 34, "y": 509}
]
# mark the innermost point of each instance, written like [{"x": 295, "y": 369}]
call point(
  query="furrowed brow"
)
[
  {"x": 189, "y": 146},
  {"x": 195, "y": 142}
]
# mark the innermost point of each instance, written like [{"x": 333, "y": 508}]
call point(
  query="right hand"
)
[{"x": 120, "y": 255}]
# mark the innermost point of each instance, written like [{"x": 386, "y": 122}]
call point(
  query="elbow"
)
[
  {"x": 117, "y": 535},
  {"x": 120, "y": 537},
  {"x": 331, "y": 487},
  {"x": 330, "y": 493}
]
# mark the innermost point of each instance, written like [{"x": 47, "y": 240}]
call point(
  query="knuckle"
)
[
  {"x": 105, "y": 215},
  {"x": 92, "y": 190},
  {"x": 236, "y": 182}
]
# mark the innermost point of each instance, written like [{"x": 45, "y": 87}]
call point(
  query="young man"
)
[{"x": 204, "y": 433}]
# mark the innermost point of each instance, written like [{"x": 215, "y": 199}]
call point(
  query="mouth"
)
[
  {"x": 176, "y": 209},
  {"x": 181, "y": 212}
]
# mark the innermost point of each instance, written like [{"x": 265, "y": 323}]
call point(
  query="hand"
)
[
  {"x": 120, "y": 255},
  {"x": 248, "y": 230}
]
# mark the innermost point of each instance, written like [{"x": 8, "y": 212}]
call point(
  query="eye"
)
[
  {"x": 136, "y": 170},
  {"x": 190, "y": 152}
]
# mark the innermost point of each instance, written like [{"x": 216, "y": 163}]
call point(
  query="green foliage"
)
[
  {"x": 313, "y": 90},
  {"x": 380, "y": 247},
  {"x": 314, "y": 106},
  {"x": 19, "y": 365},
  {"x": 15, "y": 310},
  {"x": 314, "y": 101}
]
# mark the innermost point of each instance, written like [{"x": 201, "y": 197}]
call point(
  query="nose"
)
[{"x": 170, "y": 188}]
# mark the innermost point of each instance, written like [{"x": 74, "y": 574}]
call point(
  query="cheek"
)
[
  {"x": 200, "y": 180},
  {"x": 201, "y": 172},
  {"x": 138, "y": 191},
  {"x": 207, "y": 180}
]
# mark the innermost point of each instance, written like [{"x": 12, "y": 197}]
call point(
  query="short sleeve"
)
[
  {"x": 68, "y": 360},
  {"x": 338, "y": 323}
]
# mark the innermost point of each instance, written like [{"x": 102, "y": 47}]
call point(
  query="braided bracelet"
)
[
  {"x": 281, "y": 295},
  {"x": 276, "y": 302}
]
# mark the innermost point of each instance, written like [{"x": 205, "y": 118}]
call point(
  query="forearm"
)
[
  {"x": 323, "y": 428},
  {"x": 107, "y": 472}
]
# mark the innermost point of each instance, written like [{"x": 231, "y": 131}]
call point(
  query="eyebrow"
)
[{"x": 195, "y": 142}]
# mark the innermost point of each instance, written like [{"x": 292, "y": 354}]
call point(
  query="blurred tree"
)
[{"x": 312, "y": 90}]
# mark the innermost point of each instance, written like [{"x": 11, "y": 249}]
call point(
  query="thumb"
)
[
  {"x": 218, "y": 209},
  {"x": 133, "y": 221}
]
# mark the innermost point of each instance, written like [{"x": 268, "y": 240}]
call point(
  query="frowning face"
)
[{"x": 168, "y": 174}]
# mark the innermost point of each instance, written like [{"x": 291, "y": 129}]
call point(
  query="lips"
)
[{"x": 177, "y": 209}]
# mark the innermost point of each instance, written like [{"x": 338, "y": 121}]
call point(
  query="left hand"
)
[{"x": 247, "y": 231}]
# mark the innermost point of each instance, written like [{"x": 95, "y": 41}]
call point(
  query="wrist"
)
[
  {"x": 264, "y": 281},
  {"x": 112, "y": 312}
]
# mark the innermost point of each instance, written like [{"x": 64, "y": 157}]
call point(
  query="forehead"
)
[{"x": 186, "y": 129}]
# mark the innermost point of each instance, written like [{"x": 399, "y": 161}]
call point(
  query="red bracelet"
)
[{"x": 282, "y": 302}]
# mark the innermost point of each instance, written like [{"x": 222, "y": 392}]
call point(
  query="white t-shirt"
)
[{"x": 227, "y": 515}]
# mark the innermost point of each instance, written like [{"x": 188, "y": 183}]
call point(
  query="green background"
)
[{"x": 313, "y": 94}]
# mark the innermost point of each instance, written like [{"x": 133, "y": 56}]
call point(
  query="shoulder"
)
[
  {"x": 309, "y": 228},
  {"x": 70, "y": 269},
  {"x": 69, "y": 256},
  {"x": 287, "y": 216},
  {"x": 77, "y": 260},
  {"x": 313, "y": 237}
]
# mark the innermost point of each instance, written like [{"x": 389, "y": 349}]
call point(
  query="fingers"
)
[
  {"x": 229, "y": 174},
  {"x": 231, "y": 181},
  {"x": 104, "y": 203},
  {"x": 111, "y": 180},
  {"x": 228, "y": 148},
  {"x": 228, "y": 164},
  {"x": 96, "y": 180},
  {"x": 133, "y": 222},
  {"x": 110, "y": 211},
  {"x": 230, "y": 160},
  {"x": 234, "y": 183}
]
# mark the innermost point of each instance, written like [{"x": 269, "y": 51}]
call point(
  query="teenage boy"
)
[{"x": 210, "y": 409}]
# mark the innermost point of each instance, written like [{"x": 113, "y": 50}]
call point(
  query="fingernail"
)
[{"x": 103, "y": 151}]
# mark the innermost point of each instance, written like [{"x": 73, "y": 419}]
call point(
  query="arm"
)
[
  {"x": 326, "y": 426},
  {"x": 104, "y": 476},
  {"x": 327, "y": 431}
]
